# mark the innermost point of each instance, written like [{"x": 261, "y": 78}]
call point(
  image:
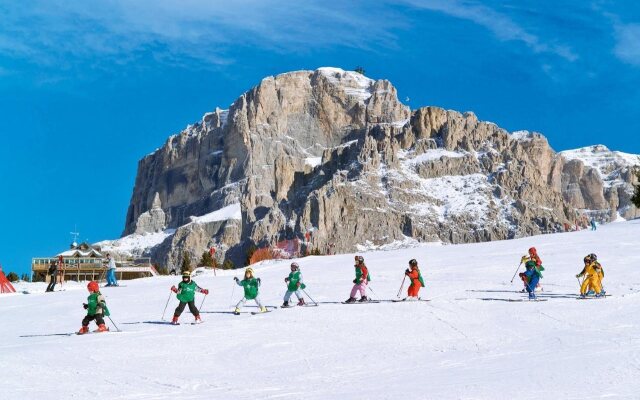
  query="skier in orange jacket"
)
[{"x": 416, "y": 280}]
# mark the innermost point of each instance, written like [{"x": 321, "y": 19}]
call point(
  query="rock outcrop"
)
[{"x": 332, "y": 158}]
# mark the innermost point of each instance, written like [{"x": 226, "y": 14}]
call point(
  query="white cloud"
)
[
  {"x": 501, "y": 25},
  {"x": 59, "y": 31},
  {"x": 627, "y": 46}
]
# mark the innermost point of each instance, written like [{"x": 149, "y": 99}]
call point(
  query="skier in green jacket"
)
[
  {"x": 250, "y": 284},
  {"x": 186, "y": 291},
  {"x": 294, "y": 285},
  {"x": 96, "y": 308}
]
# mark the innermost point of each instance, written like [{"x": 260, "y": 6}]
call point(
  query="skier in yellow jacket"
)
[{"x": 593, "y": 274}]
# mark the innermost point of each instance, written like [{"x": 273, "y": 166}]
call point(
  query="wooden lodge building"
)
[{"x": 83, "y": 262}]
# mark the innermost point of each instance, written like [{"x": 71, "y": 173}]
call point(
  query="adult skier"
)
[
  {"x": 361, "y": 281},
  {"x": 532, "y": 256},
  {"x": 96, "y": 307},
  {"x": 250, "y": 284},
  {"x": 111, "y": 271},
  {"x": 413, "y": 273},
  {"x": 53, "y": 276},
  {"x": 593, "y": 274},
  {"x": 294, "y": 285},
  {"x": 532, "y": 275},
  {"x": 186, "y": 291}
]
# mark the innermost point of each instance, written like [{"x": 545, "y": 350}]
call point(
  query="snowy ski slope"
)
[{"x": 456, "y": 346}]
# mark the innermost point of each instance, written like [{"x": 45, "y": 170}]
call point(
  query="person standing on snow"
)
[
  {"x": 533, "y": 256},
  {"x": 96, "y": 307},
  {"x": 53, "y": 276},
  {"x": 111, "y": 271},
  {"x": 416, "y": 280},
  {"x": 593, "y": 274},
  {"x": 250, "y": 284},
  {"x": 186, "y": 291},
  {"x": 593, "y": 224},
  {"x": 294, "y": 285},
  {"x": 361, "y": 281},
  {"x": 532, "y": 275}
]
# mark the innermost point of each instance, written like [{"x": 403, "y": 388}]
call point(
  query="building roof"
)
[{"x": 81, "y": 250}]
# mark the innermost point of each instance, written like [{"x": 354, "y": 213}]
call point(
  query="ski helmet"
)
[
  {"x": 586, "y": 259},
  {"x": 93, "y": 286},
  {"x": 186, "y": 276},
  {"x": 294, "y": 265},
  {"x": 413, "y": 262},
  {"x": 359, "y": 259},
  {"x": 593, "y": 257},
  {"x": 533, "y": 251}
]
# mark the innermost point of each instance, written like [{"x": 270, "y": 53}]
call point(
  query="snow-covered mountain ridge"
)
[
  {"x": 469, "y": 341},
  {"x": 333, "y": 159}
]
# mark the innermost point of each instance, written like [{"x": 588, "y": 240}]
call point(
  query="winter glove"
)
[
  {"x": 235, "y": 278},
  {"x": 286, "y": 280},
  {"x": 578, "y": 276},
  {"x": 85, "y": 305},
  {"x": 298, "y": 284},
  {"x": 524, "y": 259},
  {"x": 205, "y": 291},
  {"x": 258, "y": 280},
  {"x": 174, "y": 289},
  {"x": 406, "y": 271},
  {"x": 354, "y": 281}
]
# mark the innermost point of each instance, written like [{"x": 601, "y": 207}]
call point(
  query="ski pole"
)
[
  {"x": 305, "y": 292},
  {"x": 374, "y": 293},
  {"x": 518, "y": 269},
  {"x": 205, "y": 297},
  {"x": 165, "y": 307},
  {"x": 401, "y": 286},
  {"x": 232, "y": 292},
  {"x": 114, "y": 324}
]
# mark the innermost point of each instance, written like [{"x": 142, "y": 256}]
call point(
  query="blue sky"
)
[{"x": 88, "y": 88}]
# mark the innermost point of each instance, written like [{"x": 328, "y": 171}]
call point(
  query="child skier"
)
[
  {"x": 532, "y": 275},
  {"x": 416, "y": 280},
  {"x": 186, "y": 291},
  {"x": 593, "y": 273},
  {"x": 533, "y": 256},
  {"x": 250, "y": 285},
  {"x": 361, "y": 281},
  {"x": 96, "y": 308},
  {"x": 294, "y": 285}
]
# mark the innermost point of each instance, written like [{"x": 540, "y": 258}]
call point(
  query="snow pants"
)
[
  {"x": 192, "y": 308},
  {"x": 591, "y": 282},
  {"x": 98, "y": 317},
  {"x": 287, "y": 295},
  {"x": 111, "y": 277},
  {"x": 359, "y": 287},
  {"x": 244, "y": 300},
  {"x": 533, "y": 282},
  {"x": 414, "y": 290},
  {"x": 52, "y": 283}
]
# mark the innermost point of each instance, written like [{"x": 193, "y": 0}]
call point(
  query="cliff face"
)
[{"x": 336, "y": 154}]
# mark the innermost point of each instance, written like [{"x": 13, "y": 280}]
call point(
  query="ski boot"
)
[
  {"x": 174, "y": 321},
  {"x": 102, "y": 328},
  {"x": 285, "y": 304},
  {"x": 263, "y": 309},
  {"x": 583, "y": 296},
  {"x": 591, "y": 293},
  {"x": 363, "y": 299},
  {"x": 236, "y": 311},
  {"x": 532, "y": 296},
  {"x": 601, "y": 294},
  {"x": 198, "y": 320},
  {"x": 83, "y": 330},
  {"x": 301, "y": 302},
  {"x": 411, "y": 298},
  {"x": 351, "y": 300}
]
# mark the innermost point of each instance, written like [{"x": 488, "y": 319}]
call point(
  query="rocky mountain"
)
[{"x": 333, "y": 159}]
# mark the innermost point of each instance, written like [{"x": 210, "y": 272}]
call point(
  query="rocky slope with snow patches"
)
[
  {"x": 333, "y": 156},
  {"x": 603, "y": 184}
]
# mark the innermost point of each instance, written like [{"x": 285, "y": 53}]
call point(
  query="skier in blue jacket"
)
[{"x": 533, "y": 274}]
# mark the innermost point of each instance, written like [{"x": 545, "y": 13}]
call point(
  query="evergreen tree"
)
[
  {"x": 207, "y": 260},
  {"x": 186, "y": 263},
  {"x": 12, "y": 277},
  {"x": 359, "y": 70},
  {"x": 228, "y": 264},
  {"x": 26, "y": 277},
  {"x": 636, "y": 196}
]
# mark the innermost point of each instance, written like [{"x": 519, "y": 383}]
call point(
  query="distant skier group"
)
[{"x": 96, "y": 307}]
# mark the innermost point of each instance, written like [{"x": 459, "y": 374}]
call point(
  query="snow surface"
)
[
  {"x": 457, "y": 346},
  {"x": 135, "y": 243},
  {"x": 232, "y": 211},
  {"x": 313, "y": 161}
]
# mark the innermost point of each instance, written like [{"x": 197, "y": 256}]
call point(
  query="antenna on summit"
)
[{"x": 75, "y": 235}]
